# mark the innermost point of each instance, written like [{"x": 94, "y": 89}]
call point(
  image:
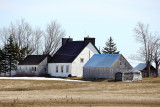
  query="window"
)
[
  {"x": 56, "y": 68},
  {"x": 81, "y": 60},
  {"x": 62, "y": 68},
  {"x": 45, "y": 69},
  {"x": 34, "y": 68},
  {"x": 20, "y": 68},
  {"x": 67, "y": 68},
  {"x": 120, "y": 62}
]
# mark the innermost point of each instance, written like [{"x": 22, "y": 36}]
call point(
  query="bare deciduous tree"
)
[
  {"x": 145, "y": 38},
  {"x": 31, "y": 39},
  {"x": 21, "y": 33},
  {"x": 38, "y": 33},
  {"x": 53, "y": 36},
  {"x": 156, "y": 54},
  {"x": 24, "y": 34}
]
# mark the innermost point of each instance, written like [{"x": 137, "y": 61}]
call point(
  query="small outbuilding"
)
[
  {"x": 143, "y": 68},
  {"x": 105, "y": 66},
  {"x": 128, "y": 76}
]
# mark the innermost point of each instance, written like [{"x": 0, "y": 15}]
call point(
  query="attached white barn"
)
[
  {"x": 33, "y": 65},
  {"x": 71, "y": 57},
  {"x": 105, "y": 66}
]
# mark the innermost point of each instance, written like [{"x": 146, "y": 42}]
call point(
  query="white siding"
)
[
  {"x": 30, "y": 69},
  {"x": 52, "y": 69},
  {"x": 86, "y": 54},
  {"x": 27, "y": 69},
  {"x": 76, "y": 67}
]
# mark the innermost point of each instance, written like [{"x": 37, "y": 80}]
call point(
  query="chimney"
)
[
  {"x": 88, "y": 39},
  {"x": 66, "y": 40}
]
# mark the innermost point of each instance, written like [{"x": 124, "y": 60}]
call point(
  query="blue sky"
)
[{"x": 96, "y": 18}]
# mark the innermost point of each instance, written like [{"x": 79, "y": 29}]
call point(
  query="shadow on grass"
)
[{"x": 92, "y": 79}]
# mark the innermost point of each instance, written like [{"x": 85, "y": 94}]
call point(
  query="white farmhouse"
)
[
  {"x": 33, "y": 65},
  {"x": 71, "y": 57}
]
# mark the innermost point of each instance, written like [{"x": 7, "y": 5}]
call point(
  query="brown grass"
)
[{"x": 32, "y": 93}]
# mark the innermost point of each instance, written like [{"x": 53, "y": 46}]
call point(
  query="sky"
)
[{"x": 97, "y": 18}]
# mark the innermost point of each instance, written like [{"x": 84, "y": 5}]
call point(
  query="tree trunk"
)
[
  {"x": 148, "y": 68},
  {"x": 157, "y": 68}
]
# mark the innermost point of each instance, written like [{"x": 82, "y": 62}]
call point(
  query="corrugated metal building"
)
[{"x": 105, "y": 66}]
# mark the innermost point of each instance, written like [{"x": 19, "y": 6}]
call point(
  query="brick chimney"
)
[
  {"x": 88, "y": 39},
  {"x": 66, "y": 40}
]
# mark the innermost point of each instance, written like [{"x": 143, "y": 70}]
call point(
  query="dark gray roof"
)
[
  {"x": 33, "y": 59},
  {"x": 140, "y": 66},
  {"x": 68, "y": 52}
]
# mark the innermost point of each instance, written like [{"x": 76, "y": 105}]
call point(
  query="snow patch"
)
[{"x": 40, "y": 78}]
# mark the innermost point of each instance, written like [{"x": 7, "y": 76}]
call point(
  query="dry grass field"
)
[{"x": 31, "y": 93}]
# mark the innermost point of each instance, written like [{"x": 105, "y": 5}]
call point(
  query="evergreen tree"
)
[
  {"x": 8, "y": 56},
  {"x": 110, "y": 47},
  {"x": 11, "y": 54},
  {"x": 0, "y": 60},
  {"x": 12, "y": 63},
  {"x": 4, "y": 61}
]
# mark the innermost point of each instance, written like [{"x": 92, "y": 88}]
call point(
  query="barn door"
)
[{"x": 118, "y": 76}]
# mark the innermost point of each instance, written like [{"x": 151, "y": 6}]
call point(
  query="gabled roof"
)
[
  {"x": 33, "y": 60},
  {"x": 68, "y": 52},
  {"x": 140, "y": 66},
  {"x": 102, "y": 60}
]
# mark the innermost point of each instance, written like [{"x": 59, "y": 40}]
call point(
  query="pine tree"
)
[
  {"x": 4, "y": 61},
  {"x": 12, "y": 62},
  {"x": 110, "y": 47},
  {"x": 11, "y": 54},
  {"x": 0, "y": 60},
  {"x": 8, "y": 56}
]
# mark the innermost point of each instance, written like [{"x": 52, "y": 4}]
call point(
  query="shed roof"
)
[
  {"x": 140, "y": 66},
  {"x": 68, "y": 52},
  {"x": 102, "y": 60},
  {"x": 33, "y": 60}
]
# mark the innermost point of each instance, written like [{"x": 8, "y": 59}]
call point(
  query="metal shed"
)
[
  {"x": 105, "y": 66},
  {"x": 128, "y": 76}
]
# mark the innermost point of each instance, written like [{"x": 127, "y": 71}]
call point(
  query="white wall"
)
[
  {"x": 77, "y": 65},
  {"x": 52, "y": 69},
  {"x": 27, "y": 69},
  {"x": 30, "y": 69}
]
